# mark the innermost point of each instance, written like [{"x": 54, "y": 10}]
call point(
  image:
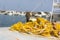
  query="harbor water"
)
[{"x": 6, "y": 20}]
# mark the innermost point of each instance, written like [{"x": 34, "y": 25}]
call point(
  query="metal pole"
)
[{"x": 52, "y": 12}]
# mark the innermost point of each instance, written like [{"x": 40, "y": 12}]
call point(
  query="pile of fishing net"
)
[{"x": 39, "y": 27}]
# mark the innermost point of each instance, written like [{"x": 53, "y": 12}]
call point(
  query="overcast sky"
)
[{"x": 26, "y": 5}]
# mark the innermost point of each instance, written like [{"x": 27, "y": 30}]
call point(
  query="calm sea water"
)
[{"x": 6, "y": 20}]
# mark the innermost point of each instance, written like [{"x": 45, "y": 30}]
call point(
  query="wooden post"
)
[{"x": 27, "y": 16}]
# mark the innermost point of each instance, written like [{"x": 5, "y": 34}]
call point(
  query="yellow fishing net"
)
[{"x": 39, "y": 27}]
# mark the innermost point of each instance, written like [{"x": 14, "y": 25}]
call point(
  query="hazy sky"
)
[{"x": 26, "y": 5}]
